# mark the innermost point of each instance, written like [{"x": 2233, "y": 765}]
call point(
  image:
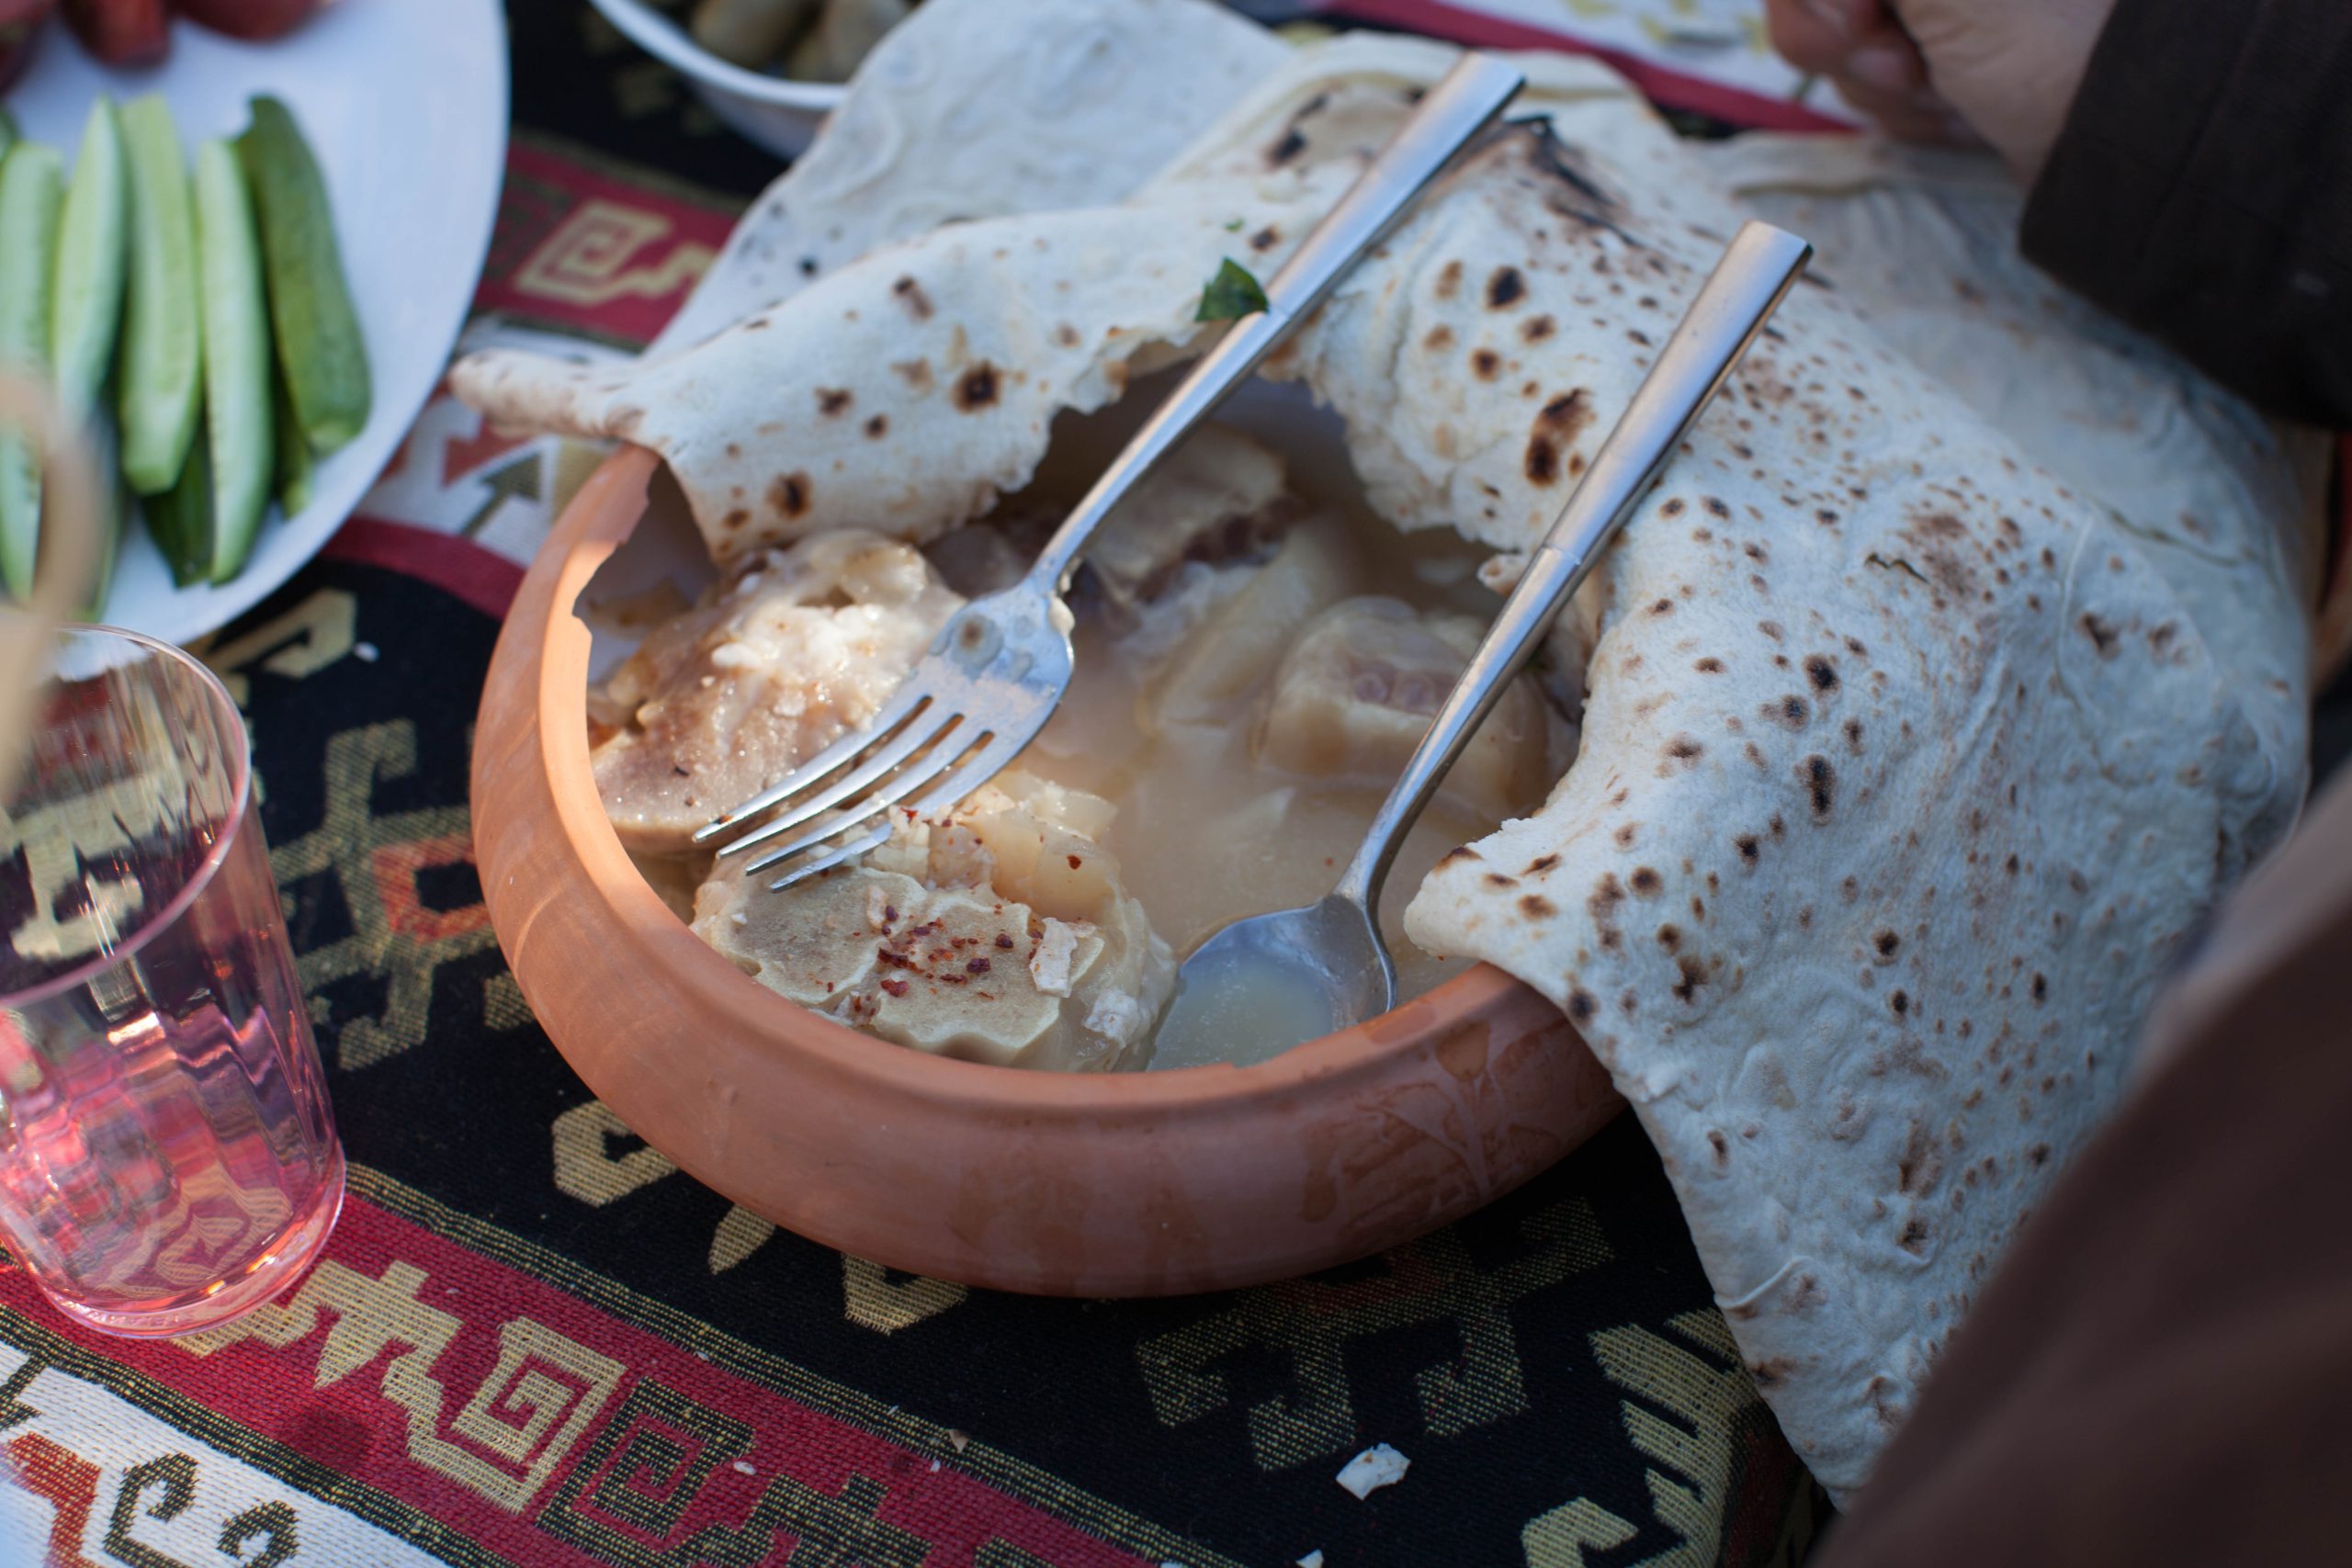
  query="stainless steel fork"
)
[{"x": 1000, "y": 666}]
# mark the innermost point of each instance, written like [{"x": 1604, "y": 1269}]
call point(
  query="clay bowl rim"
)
[{"x": 599, "y": 520}]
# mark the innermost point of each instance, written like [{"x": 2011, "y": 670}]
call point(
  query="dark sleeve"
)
[
  {"x": 2202, "y": 190},
  {"x": 2159, "y": 1374}
]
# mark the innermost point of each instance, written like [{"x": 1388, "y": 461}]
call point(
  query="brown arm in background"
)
[{"x": 2161, "y": 1372}]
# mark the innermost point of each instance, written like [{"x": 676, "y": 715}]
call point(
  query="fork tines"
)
[{"x": 916, "y": 740}]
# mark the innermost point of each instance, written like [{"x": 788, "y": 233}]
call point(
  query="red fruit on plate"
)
[
  {"x": 122, "y": 33},
  {"x": 248, "y": 18},
  {"x": 20, "y": 23}
]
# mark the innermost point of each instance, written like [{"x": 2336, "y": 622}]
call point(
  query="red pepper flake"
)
[
  {"x": 889, "y": 911},
  {"x": 1003, "y": 940},
  {"x": 884, "y": 955},
  {"x": 926, "y": 928},
  {"x": 977, "y": 966},
  {"x": 1075, "y": 863},
  {"x": 896, "y": 988}
]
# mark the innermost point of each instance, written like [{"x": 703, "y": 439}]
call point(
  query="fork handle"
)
[
  {"x": 1756, "y": 272},
  {"x": 1463, "y": 103}
]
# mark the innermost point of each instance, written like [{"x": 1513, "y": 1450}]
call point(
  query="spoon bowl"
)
[
  {"x": 1243, "y": 994},
  {"x": 1261, "y": 986}
]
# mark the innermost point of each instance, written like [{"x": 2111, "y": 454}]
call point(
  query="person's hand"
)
[{"x": 2000, "y": 70}]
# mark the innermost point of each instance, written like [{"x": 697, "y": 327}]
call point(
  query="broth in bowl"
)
[{"x": 1257, "y": 655}]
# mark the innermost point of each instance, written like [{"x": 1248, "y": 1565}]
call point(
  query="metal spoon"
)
[{"x": 1263, "y": 985}]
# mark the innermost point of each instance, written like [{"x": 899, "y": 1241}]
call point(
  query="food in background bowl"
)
[{"x": 813, "y": 40}]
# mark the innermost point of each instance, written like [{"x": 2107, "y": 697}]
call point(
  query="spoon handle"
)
[
  {"x": 1732, "y": 307},
  {"x": 1442, "y": 127}
]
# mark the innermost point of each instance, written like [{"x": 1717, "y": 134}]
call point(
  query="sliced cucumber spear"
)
[
  {"x": 236, "y": 356},
  {"x": 161, "y": 380},
  {"x": 110, "y": 505},
  {"x": 319, "y": 346},
  {"x": 296, "y": 464},
  {"x": 92, "y": 260},
  {"x": 32, "y": 179},
  {"x": 180, "y": 520},
  {"x": 85, "y": 305}
]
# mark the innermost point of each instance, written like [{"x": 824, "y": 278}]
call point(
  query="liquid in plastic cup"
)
[{"x": 167, "y": 1153}]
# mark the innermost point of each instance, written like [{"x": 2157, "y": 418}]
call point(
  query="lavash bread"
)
[
  {"x": 1002, "y": 324},
  {"x": 1906, "y": 763},
  {"x": 2221, "y": 500},
  {"x": 928, "y": 391},
  {"x": 982, "y": 109}
]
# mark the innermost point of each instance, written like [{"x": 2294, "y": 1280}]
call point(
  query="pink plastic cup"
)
[{"x": 167, "y": 1154}]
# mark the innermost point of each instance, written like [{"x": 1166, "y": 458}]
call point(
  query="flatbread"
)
[
  {"x": 929, "y": 388},
  {"x": 932, "y": 385},
  {"x": 1907, "y": 759},
  {"x": 978, "y": 110}
]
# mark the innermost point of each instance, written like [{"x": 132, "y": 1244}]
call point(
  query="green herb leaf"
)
[
  {"x": 1231, "y": 294},
  {"x": 1232, "y": 226}
]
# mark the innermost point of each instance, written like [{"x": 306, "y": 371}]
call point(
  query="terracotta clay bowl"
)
[{"x": 1111, "y": 1185}]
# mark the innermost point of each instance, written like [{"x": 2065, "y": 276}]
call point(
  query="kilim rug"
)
[{"x": 533, "y": 1341}]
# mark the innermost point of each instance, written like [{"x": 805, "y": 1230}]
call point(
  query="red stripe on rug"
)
[
  {"x": 1661, "y": 84},
  {"x": 552, "y": 1433},
  {"x": 451, "y": 562},
  {"x": 578, "y": 248}
]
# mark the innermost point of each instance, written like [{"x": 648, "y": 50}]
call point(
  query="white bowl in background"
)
[{"x": 780, "y": 114}]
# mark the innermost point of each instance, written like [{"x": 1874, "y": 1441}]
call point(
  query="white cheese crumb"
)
[
  {"x": 1115, "y": 1016},
  {"x": 741, "y": 916},
  {"x": 1377, "y": 1467},
  {"x": 734, "y": 656},
  {"x": 877, "y": 908},
  {"x": 743, "y": 1468},
  {"x": 1501, "y": 573},
  {"x": 958, "y": 858},
  {"x": 1312, "y": 1560},
  {"x": 934, "y": 1467},
  {"x": 366, "y": 652},
  {"x": 1049, "y": 965}
]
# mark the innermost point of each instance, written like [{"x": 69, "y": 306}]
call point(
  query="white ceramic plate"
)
[{"x": 405, "y": 103}]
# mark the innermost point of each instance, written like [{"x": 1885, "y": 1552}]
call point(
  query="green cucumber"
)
[
  {"x": 236, "y": 356},
  {"x": 93, "y": 263},
  {"x": 86, "y": 310},
  {"x": 112, "y": 504},
  {"x": 161, "y": 387},
  {"x": 180, "y": 519},
  {"x": 319, "y": 342},
  {"x": 296, "y": 465},
  {"x": 33, "y": 188}
]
